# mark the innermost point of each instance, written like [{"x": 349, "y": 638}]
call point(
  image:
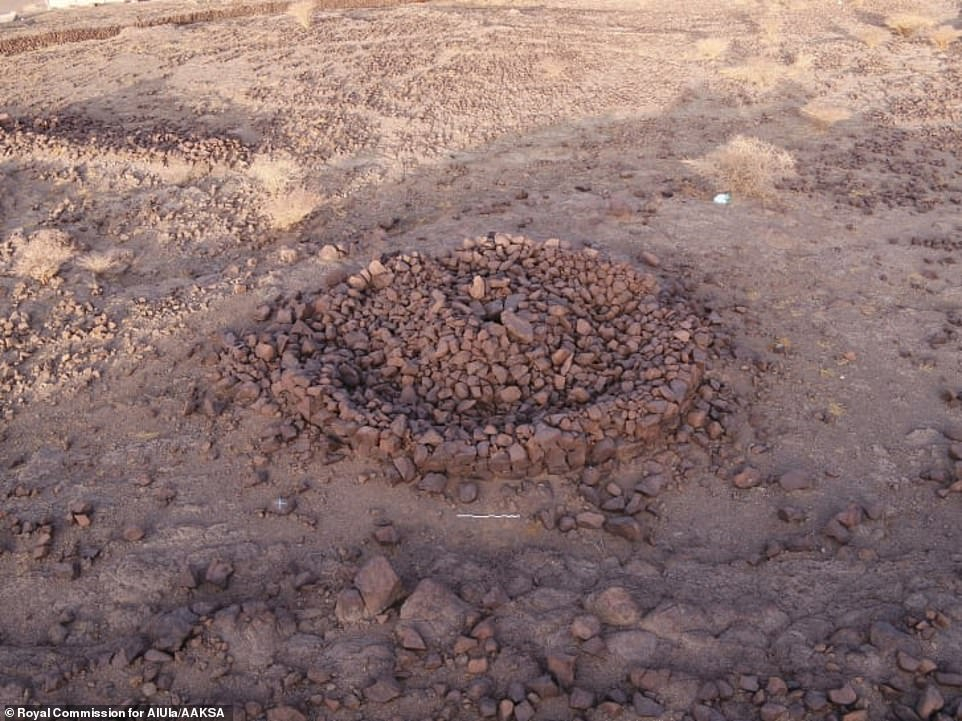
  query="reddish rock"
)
[
  {"x": 929, "y": 702},
  {"x": 349, "y": 607},
  {"x": 614, "y": 606},
  {"x": 387, "y": 535},
  {"x": 468, "y": 492},
  {"x": 590, "y": 519},
  {"x": 518, "y": 328},
  {"x": 382, "y": 691},
  {"x": 842, "y": 696},
  {"x": 133, "y": 533},
  {"x": 435, "y": 610},
  {"x": 409, "y": 638},
  {"x": 285, "y": 713},
  {"x": 581, "y": 699},
  {"x": 748, "y": 477},
  {"x": 218, "y": 573},
  {"x": 562, "y": 667},
  {"x": 545, "y": 687},
  {"x": 796, "y": 480},
  {"x": 626, "y": 527},
  {"x": 585, "y": 627},
  {"x": 378, "y": 584}
]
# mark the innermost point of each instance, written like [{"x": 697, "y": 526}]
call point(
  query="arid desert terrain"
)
[{"x": 594, "y": 359}]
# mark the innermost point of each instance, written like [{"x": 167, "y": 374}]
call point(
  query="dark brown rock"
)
[
  {"x": 885, "y": 637},
  {"x": 382, "y": 690},
  {"x": 218, "y": 573},
  {"x": 748, "y": 477},
  {"x": 387, "y": 535},
  {"x": 518, "y": 328},
  {"x": 929, "y": 702},
  {"x": 626, "y": 527},
  {"x": 436, "y": 611},
  {"x": 815, "y": 700},
  {"x": 562, "y": 667},
  {"x": 842, "y": 696},
  {"x": 285, "y": 713},
  {"x": 614, "y": 606},
  {"x": 170, "y": 630},
  {"x": 581, "y": 699},
  {"x": 646, "y": 707},
  {"x": 796, "y": 480},
  {"x": 349, "y": 607},
  {"x": 585, "y": 627},
  {"x": 433, "y": 483},
  {"x": 590, "y": 519},
  {"x": 468, "y": 492}
]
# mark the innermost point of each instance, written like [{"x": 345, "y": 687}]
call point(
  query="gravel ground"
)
[{"x": 372, "y": 361}]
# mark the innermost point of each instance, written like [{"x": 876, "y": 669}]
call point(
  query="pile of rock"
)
[{"x": 504, "y": 357}]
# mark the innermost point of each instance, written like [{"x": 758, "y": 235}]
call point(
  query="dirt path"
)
[{"x": 164, "y": 541}]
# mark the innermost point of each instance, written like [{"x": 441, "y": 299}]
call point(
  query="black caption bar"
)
[{"x": 121, "y": 713}]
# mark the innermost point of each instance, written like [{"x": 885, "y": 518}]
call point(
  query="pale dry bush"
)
[
  {"x": 274, "y": 172},
  {"x": 291, "y": 206},
  {"x": 873, "y": 36},
  {"x": 943, "y": 36},
  {"x": 770, "y": 28},
  {"x": 908, "y": 24},
  {"x": 303, "y": 12},
  {"x": 803, "y": 63},
  {"x": 106, "y": 262},
  {"x": 745, "y": 166},
  {"x": 760, "y": 72},
  {"x": 288, "y": 256},
  {"x": 42, "y": 255},
  {"x": 712, "y": 48},
  {"x": 825, "y": 115}
]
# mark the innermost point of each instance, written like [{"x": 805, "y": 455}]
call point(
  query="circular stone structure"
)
[{"x": 503, "y": 357}]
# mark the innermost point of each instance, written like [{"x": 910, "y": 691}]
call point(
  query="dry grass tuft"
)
[
  {"x": 275, "y": 172},
  {"x": 824, "y": 115},
  {"x": 873, "y": 36},
  {"x": 303, "y": 12},
  {"x": 288, "y": 256},
  {"x": 105, "y": 263},
  {"x": 712, "y": 48},
  {"x": 943, "y": 36},
  {"x": 291, "y": 206},
  {"x": 770, "y": 29},
  {"x": 908, "y": 24},
  {"x": 42, "y": 255},
  {"x": 759, "y": 71},
  {"x": 287, "y": 201},
  {"x": 745, "y": 166}
]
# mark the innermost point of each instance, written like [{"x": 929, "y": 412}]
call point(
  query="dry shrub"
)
[
  {"x": 287, "y": 256},
  {"x": 303, "y": 12},
  {"x": 42, "y": 255},
  {"x": 770, "y": 29},
  {"x": 745, "y": 166},
  {"x": 943, "y": 36},
  {"x": 288, "y": 200},
  {"x": 825, "y": 115},
  {"x": 291, "y": 206},
  {"x": 712, "y": 48},
  {"x": 873, "y": 36},
  {"x": 105, "y": 263},
  {"x": 274, "y": 172},
  {"x": 908, "y": 24},
  {"x": 803, "y": 63},
  {"x": 759, "y": 71}
]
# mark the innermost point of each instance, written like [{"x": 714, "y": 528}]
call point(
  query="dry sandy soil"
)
[{"x": 184, "y": 166}]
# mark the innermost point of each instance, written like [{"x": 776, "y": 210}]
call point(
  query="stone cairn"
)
[{"x": 505, "y": 357}]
